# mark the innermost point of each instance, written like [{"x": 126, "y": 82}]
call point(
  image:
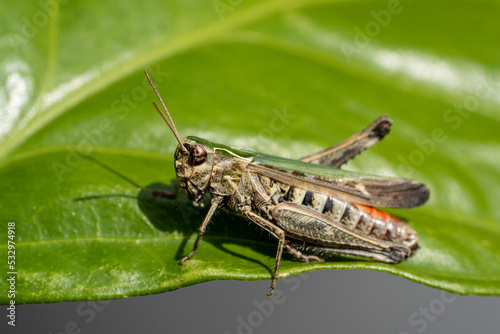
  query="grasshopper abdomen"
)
[
  {"x": 321, "y": 229},
  {"x": 384, "y": 226}
]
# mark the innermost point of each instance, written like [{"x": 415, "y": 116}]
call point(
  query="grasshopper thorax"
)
[{"x": 193, "y": 167}]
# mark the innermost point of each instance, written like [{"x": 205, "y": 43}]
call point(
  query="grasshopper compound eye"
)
[{"x": 198, "y": 155}]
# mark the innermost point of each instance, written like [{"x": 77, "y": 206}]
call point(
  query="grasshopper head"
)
[
  {"x": 194, "y": 158},
  {"x": 193, "y": 166}
]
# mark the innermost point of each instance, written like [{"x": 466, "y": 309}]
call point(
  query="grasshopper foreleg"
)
[
  {"x": 279, "y": 234},
  {"x": 166, "y": 194},
  {"x": 215, "y": 203}
]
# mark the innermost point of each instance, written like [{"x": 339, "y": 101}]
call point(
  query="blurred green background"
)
[{"x": 271, "y": 76}]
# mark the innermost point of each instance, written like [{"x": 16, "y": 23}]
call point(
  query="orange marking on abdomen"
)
[{"x": 376, "y": 213}]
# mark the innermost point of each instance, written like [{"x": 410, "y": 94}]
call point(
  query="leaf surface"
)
[{"x": 277, "y": 77}]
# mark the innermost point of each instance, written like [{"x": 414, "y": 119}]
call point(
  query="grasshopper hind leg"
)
[
  {"x": 336, "y": 155},
  {"x": 298, "y": 254}
]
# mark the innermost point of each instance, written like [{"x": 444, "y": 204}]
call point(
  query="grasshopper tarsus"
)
[
  {"x": 307, "y": 258},
  {"x": 298, "y": 254},
  {"x": 193, "y": 251},
  {"x": 184, "y": 259},
  {"x": 273, "y": 285}
]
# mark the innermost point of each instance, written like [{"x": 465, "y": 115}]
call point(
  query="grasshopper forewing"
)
[{"x": 307, "y": 204}]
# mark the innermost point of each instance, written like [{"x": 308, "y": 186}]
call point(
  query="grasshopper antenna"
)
[{"x": 170, "y": 124}]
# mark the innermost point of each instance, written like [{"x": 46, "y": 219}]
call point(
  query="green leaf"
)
[{"x": 72, "y": 87}]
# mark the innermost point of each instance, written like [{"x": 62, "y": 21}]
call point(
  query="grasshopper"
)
[{"x": 308, "y": 204}]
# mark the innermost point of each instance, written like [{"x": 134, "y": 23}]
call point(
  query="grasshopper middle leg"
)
[{"x": 279, "y": 234}]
